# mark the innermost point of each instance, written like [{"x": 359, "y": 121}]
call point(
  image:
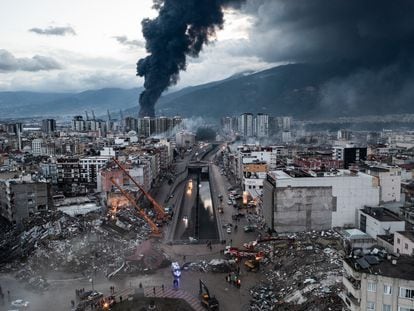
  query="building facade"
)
[{"x": 328, "y": 198}]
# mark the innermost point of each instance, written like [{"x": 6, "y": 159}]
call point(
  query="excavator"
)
[
  {"x": 252, "y": 265},
  {"x": 155, "y": 230},
  {"x": 161, "y": 215},
  {"x": 210, "y": 303}
]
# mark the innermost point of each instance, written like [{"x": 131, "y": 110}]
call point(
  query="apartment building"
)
[
  {"x": 21, "y": 197},
  {"x": 381, "y": 283}
]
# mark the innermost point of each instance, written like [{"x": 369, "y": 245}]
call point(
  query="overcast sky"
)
[
  {"x": 62, "y": 45},
  {"x": 50, "y": 45}
]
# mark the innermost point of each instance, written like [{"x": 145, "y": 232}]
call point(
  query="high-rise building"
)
[
  {"x": 245, "y": 124},
  {"x": 262, "y": 125},
  {"x": 78, "y": 124},
  {"x": 131, "y": 124},
  {"x": 48, "y": 126},
  {"x": 349, "y": 155},
  {"x": 144, "y": 126},
  {"x": 286, "y": 123}
]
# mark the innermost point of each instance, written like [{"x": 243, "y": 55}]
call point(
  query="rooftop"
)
[
  {"x": 355, "y": 234},
  {"x": 381, "y": 214},
  {"x": 376, "y": 264},
  {"x": 299, "y": 173},
  {"x": 408, "y": 234}
]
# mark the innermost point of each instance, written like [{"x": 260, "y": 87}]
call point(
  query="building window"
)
[
  {"x": 406, "y": 293},
  {"x": 370, "y": 305},
  {"x": 398, "y": 241},
  {"x": 387, "y": 289},
  {"x": 372, "y": 287},
  {"x": 405, "y": 309},
  {"x": 405, "y": 245},
  {"x": 386, "y": 308}
]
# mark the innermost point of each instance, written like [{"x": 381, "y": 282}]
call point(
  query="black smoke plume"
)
[{"x": 180, "y": 30}]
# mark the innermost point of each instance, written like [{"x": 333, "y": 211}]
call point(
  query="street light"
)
[{"x": 91, "y": 280}]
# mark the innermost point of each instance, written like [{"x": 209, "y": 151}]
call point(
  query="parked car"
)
[
  {"x": 20, "y": 304},
  {"x": 249, "y": 228},
  {"x": 95, "y": 295}
]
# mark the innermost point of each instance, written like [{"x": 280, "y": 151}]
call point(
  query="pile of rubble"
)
[
  {"x": 214, "y": 265},
  {"x": 56, "y": 242},
  {"x": 305, "y": 270}
]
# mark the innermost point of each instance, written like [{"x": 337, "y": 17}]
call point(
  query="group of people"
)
[{"x": 2, "y": 300}]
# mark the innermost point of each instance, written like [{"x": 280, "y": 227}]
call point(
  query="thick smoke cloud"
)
[
  {"x": 374, "y": 38},
  {"x": 54, "y": 31},
  {"x": 180, "y": 30},
  {"x": 10, "y": 63}
]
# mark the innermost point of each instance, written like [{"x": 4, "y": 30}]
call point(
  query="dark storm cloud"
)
[
  {"x": 10, "y": 63},
  {"x": 320, "y": 30},
  {"x": 375, "y": 38},
  {"x": 54, "y": 31},
  {"x": 180, "y": 30},
  {"x": 131, "y": 43}
]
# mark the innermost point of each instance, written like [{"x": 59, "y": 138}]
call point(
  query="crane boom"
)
[
  {"x": 153, "y": 226},
  {"x": 158, "y": 207}
]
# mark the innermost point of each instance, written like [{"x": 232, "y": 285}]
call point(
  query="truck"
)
[{"x": 206, "y": 300}]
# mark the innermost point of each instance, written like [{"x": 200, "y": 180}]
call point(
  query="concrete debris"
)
[
  {"x": 54, "y": 242},
  {"x": 300, "y": 273},
  {"x": 214, "y": 265}
]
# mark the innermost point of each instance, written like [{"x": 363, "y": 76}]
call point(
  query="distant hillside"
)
[
  {"x": 284, "y": 90},
  {"x": 23, "y": 104},
  {"x": 294, "y": 89}
]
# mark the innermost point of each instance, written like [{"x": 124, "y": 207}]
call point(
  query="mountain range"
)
[{"x": 293, "y": 89}]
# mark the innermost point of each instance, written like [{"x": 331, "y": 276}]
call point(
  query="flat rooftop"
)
[
  {"x": 372, "y": 264},
  {"x": 408, "y": 234},
  {"x": 381, "y": 214},
  {"x": 353, "y": 234}
]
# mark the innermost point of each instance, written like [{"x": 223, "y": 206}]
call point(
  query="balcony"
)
[
  {"x": 351, "y": 302},
  {"x": 352, "y": 286}
]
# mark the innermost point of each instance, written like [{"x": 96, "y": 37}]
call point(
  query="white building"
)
[
  {"x": 90, "y": 167},
  {"x": 37, "y": 146},
  {"x": 379, "y": 221},
  {"x": 404, "y": 243},
  {"x": 184, "y": 139},
  {"x": 299, "y": 200},
  {"x": 286, "y": 137},
  {"x": 389, "y": 180}
]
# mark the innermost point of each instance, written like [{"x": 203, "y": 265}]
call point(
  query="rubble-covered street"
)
[
  {"x": 83, "y": 246},
  {"x": 298, "y": 273}
]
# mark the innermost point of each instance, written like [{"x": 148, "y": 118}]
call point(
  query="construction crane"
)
[
  {"x": 87, "y": 116},
  {"x": 93, "y": 115},
  {"x": 160, "y": 211},
  {"x": 154, "y": 228}
]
